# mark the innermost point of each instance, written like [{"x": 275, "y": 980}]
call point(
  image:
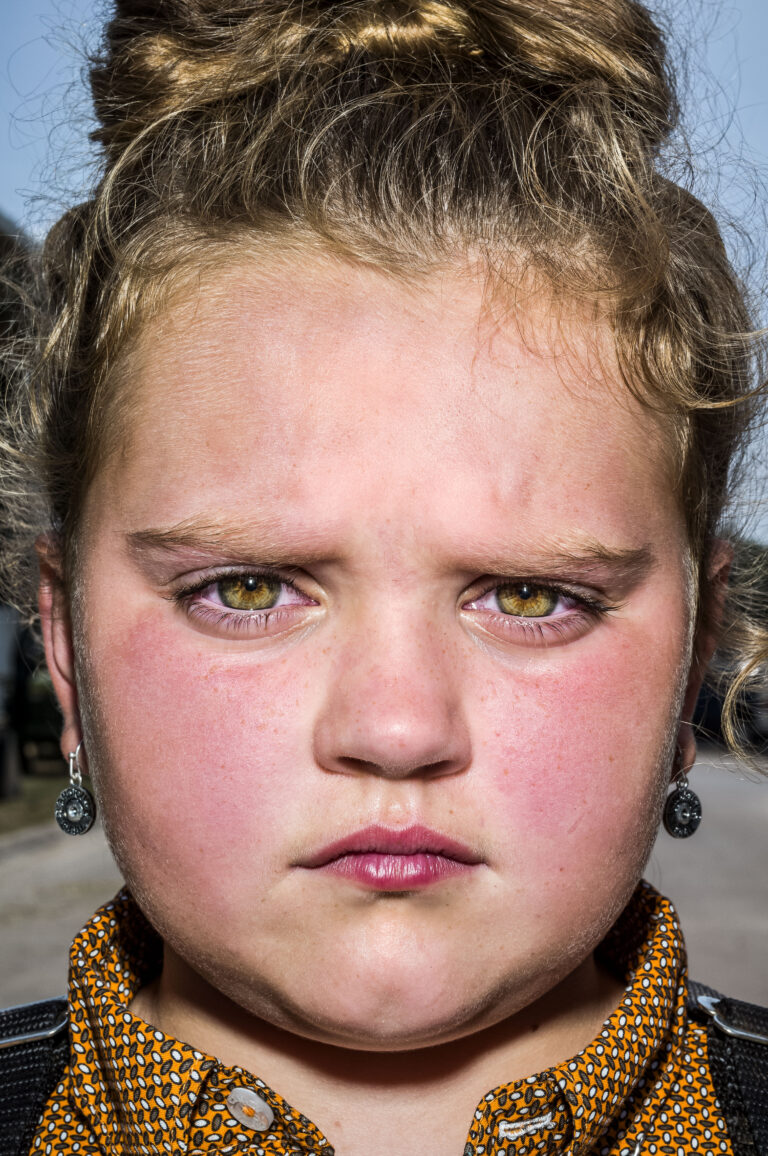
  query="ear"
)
[
  {"x": 714, "y": 588},
  {"x": 56, "y": 625}
]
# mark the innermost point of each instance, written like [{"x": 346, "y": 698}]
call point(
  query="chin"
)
[
  {"x": 364, "y": 1024},
  {"x": 380, "y": 1007}
]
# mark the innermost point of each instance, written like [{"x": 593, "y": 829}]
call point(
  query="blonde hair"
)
[{"x": 406, "y": 134}]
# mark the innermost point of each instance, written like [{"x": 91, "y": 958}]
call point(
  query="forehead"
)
[{"x": 287, "y": 382}]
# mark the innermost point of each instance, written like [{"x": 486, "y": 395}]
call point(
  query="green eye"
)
[
  {"x": 526, "y": 601},
  {"x": 251, "y": 592}
]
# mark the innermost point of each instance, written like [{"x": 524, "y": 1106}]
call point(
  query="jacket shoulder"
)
[
  {"x": 737, "y": 1043},
  {"x": 34, "y": 1045}
]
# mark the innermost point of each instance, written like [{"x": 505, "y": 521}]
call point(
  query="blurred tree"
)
[{"x": 14, "y": 250}]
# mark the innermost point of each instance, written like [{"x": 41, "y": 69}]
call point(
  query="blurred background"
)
[{"x": 50, "y": 883}]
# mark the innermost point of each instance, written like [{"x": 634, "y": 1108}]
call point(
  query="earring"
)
[
  {"x": 682, "y": 810},
  {"x": 75, "y": 809}
]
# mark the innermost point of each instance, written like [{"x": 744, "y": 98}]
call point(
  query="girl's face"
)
[{"x": 382, "y": 643}]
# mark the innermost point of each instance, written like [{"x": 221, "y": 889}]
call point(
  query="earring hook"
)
[{"x": 75, "y": 770}]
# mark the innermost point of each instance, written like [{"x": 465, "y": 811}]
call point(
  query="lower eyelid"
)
[
  {"x": 540, "y": 631},
  {"x": 219, "y": 620}
]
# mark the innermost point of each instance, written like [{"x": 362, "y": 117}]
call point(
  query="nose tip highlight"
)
[{"x": 400, "y": 727}]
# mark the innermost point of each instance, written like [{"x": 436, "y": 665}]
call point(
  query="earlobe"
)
[
  {"x": 56, "y": 627},
  {"x": 686, "y": 745},
  {"x": 686, "y": 739},
  {"x": 713, "y": 593}
]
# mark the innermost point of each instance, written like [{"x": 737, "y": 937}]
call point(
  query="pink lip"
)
[{"x": 385, "y": 859}]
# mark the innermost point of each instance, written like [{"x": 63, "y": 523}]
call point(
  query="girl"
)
[{"x": 375, "y": 452}]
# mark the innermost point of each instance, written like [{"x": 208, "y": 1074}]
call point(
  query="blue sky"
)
[{"x": 44, "y": 111}]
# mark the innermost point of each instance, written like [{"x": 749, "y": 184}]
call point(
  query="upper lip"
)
[{"x": 380, "y": 840}]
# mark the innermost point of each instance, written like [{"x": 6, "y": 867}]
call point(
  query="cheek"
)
[
  {"x": 578, "y": 755},
  {"x": 197, "y": 750}
]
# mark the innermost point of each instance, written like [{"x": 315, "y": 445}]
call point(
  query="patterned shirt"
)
[{"x": 640, "y": 1088}]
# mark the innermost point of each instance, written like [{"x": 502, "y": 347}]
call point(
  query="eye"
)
[
  {"x": 248, "y": 604},
  {"x": 530, "y": 613},
  {"x": 525, "y": 600},
  {"x": 249, "y": 592}
]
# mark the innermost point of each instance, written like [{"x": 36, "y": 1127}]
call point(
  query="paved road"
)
[{"x": 50, "y": 884}]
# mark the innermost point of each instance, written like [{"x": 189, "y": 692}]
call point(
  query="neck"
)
[{"x": 354, "y": 1095}]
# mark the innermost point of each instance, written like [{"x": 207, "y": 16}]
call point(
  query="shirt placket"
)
[
  {"x": 532, "y": 1116},
  {"x": 237, "y": 1113}
]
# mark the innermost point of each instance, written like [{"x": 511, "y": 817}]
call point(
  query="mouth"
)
[{"x": 385, "y": 859}]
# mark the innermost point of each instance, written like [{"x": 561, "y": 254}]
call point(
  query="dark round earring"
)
[
  {"x": 75, "y": 809},
  {"x": 682, "y": 810}
]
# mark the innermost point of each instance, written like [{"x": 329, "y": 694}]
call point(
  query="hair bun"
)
[
  {"x": 165, "y": 56},
  {"x": 407, "y": 29}
]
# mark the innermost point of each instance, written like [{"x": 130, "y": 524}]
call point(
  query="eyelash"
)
[
  {"x": 234, "y": 621},
  {"x": 586, "y": 610}
]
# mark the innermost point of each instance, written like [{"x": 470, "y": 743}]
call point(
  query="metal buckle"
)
[
  {"x": 710, "y": 1004},
  {"x": 40, "y": 1034}
]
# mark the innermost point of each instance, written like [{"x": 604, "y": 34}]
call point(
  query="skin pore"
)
[{"x": 404, "y": 480}]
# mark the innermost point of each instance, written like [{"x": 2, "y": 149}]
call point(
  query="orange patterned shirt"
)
[{"x": 641, "y": 1088}]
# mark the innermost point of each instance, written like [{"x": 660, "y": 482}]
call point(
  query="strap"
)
[
  {"x": 34, "y": 1047},
  {"x": 737, "y": 1038}
]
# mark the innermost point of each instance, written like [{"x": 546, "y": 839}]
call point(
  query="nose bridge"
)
[{"x": 393, "y": 705}]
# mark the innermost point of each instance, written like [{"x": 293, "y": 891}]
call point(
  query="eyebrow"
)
[
  {"x": 590, "y": 558},
  {"x": 260, "y": 543},
  {"x": 240, "y": 543}
]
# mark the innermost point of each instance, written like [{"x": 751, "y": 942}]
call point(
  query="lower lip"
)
[{"x": 383, "y": 872}]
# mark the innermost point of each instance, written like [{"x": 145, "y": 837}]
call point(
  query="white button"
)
[{"x": 249, "y": 1109}]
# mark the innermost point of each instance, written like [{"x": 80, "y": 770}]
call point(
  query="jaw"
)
[{"x": 400, "y": 975}]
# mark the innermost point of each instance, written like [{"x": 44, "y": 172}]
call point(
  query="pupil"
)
[
  {"x": 525, "y": 592},
  {"x": 251, "y": 584}
]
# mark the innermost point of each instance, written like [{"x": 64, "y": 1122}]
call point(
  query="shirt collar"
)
[
  {"x": 139, "y": 1090},
  {"x": 142, "y": 1091},
  {"x": 573, "y": 1105}
]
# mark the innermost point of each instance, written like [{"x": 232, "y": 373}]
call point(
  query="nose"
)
[{"x": 393, "y": 707}]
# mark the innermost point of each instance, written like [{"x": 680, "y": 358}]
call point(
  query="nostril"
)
[{"x": 400, "y": 770}]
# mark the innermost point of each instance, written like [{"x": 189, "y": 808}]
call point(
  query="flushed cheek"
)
[
  {"x": 573, "y": 758},
  {"x": 200, "y": 750}
]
